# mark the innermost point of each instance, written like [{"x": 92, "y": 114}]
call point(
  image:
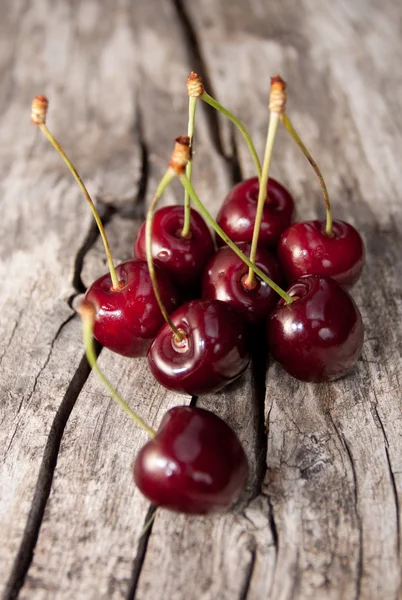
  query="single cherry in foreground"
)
[
  {"x": 319, "y": 336},
  {"x": 225, "y": 278},
  {"x": 195, "y": 463},
  {"x": 183, "y": 259},
  {"x": 127, "y": 319},
  {"x": 212, "y": 353},
  {"x": 305, "y": 249},
  {"x": 238, "y": 212}
]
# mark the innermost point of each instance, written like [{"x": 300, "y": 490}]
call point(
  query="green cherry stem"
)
[
  {"x": 87, "y": 312},
  {"x": 192, "y": 104},
  {"x": 277, "y": 101},
  {"x": 215, "y": 104},
  {"x": 286, "y": 121},
  {"x": 188, "y": 186},
  {"x": 166, "y": 179},
  {"x": 39, "y": 109}
]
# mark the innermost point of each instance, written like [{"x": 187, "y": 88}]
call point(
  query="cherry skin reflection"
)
[
  {"x": 237, "y": 214},
  {"x": 195, "y": 464},
  {"x": 319, "y": 336},
  {"x": 212, "y": 354}
]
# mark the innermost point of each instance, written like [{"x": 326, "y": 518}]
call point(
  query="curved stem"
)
[
  {"x": 166, "y": 179},
  {"x": 187, "y": 185},
  {"x": 286, "y": 121},
  {"x": 84, "y": 190},
  {"x": 192, "y": 104},
  {"x": 87, "y": 327},
  {"x": 215, "y": 104},
  {"x": 262, "y": 192}
]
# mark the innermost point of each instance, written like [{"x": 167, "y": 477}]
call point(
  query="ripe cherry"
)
[
  {"x": 195, "y": 463},
  {"x": 318, "y": 336},
  {"x": 212, "y": 353},
  {"x": 238, "y": 212},
  {"x": 225, "y": 278},
  {"x": 183, "y": 259},
  {"x": 128, "y": 318},
  {"x": 305, "y": 248}
]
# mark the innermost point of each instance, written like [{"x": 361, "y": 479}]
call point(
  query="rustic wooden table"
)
[{"x": 328, "y": 458}]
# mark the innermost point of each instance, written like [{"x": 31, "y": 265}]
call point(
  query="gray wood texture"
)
[{"x": 320, "y": 517}]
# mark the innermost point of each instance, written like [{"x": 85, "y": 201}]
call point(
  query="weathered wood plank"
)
[
  {"x": 86, "y": 552},
  {"x": 333, "y": 474},
  {"x": 327, "y": 522}
]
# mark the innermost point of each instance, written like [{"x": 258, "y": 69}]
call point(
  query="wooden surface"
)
[{"x": 328, "y": 458}]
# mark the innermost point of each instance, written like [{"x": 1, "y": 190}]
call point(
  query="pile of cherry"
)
[{"x": 188, "y": 302}]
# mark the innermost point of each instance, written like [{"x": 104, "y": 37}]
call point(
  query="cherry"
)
[
  {"x": 211, "y": 353},
  {"x": 128, "y": 318},
  {"x": 237, "y": 214},
  {"x": 184, "y": 259},
  {"x": 318, "y": 336},
  {"x": 225, "y": 279},
  {"x": 195, "y": 463},
  {"x": 305, "y": 248}
]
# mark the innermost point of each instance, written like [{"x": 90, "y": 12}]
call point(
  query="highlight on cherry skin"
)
[
  {"x": 182, "y": 258},
  {"x": 306, "y": 249},
  {"x": 127, "y": 319},
  {"x": 212, "y": 353},
  {"x": 195, "y": 463},
  {"x": 225, "y": 278},
  {"x": 237, "y": 214},
  {"x": 318, "y": 336}
]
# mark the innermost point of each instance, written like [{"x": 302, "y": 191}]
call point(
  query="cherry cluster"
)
[{"x": 188, "y": 302}]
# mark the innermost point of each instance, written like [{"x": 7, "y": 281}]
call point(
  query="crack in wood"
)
[
  {"x": 45, "y": 477},
  {"x": 358, "y": 517},
  {"x": 395, "y": 494},
  {"x": 106, "y": 212},
  {"x": 141, "y": 552},
  {"x": 198, "y": 64},
  {"x": 250, "y": 570},
  {"x": 142, "y": 185}
]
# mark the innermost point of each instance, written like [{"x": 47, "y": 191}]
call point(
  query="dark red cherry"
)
[
  {"x": 183, "y": 259},
  {"x": 319, "y": 336},
  {"x": 237, "y": 214},
  {"x": 128, "y": 319},
  {"x": 212, "y": 354},
  {"x": 195, "y": 464},
  {"x": 225, "y": 279},
  {"x": 305, "y": 249}
]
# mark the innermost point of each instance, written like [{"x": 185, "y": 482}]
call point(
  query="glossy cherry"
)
[
  {"x": 319, "y": 336},
  {"x": 183, "y": 259},
  {"x": 128, "y": 319},
  {"x": 225, "y": 279},
  {"x": 305, "y": 249},
  {"x": 195, "y": 464},
  {"x": 237, "y": 214},
  {"x": 212, "y": 354}
]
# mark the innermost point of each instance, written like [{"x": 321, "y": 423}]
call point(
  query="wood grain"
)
[{"x": 326, "y": 522}]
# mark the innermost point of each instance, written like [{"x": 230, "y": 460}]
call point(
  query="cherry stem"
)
[
  {"x": 187, "y": 185},
  {"x": 166, "y": 179},
  {"x": 215, "y": 104},
  {"x": 192, "y": 104},
  {"x": 295, "y": 136},
  {"x": 87, "y": 313},
  {"x": 73, "y": 170},
  {"x": 262, "y": 192}
]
